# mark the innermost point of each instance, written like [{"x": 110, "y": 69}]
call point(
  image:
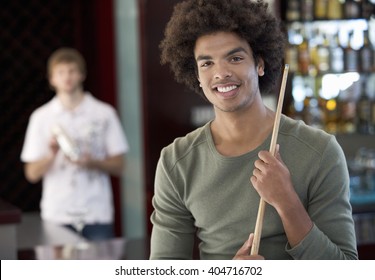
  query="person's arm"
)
[
  {"x": 112, "y": 165},
  {"x": 35, "y": 170},
  {"x": 328, "y": 211},
  {"x": 270, "y": 172},
  {"x": 115, "y": 144},
  {"x": 173, "y": 230}
]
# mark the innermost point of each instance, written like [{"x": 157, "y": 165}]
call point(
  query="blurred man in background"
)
[{"x": 74, "y": 143}]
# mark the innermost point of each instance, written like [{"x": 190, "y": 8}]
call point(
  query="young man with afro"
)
[{"x": 208, "y": 184}]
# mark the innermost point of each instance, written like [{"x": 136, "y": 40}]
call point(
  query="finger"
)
[
  {"x": 253, "y": 180},
  {"x": 277, "y": 153},
  {"x": 245, "y": 249},
  {"x": 266, "y": 157},
  {"x": 250, "y": 239},
  {"x": 262, "y": 167},
  {"x": 257, "y": 172},
  {"x": 258, "y": 177},
  {"x": 260, "y": 164}
]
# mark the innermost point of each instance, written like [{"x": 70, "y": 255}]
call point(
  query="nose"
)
[{"x": 222, "y": 71}]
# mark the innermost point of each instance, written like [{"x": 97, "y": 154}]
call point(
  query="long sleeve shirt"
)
[{"x": 201, "y": 192}]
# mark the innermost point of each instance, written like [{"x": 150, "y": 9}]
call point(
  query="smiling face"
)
[{"x": 227, "y": 71}]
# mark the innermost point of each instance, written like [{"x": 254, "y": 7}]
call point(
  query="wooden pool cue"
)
[{"x": 262, "y": 203}]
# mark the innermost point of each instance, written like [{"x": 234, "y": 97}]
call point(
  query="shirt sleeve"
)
[
  {"x": 333, "y": 234},
  {"x": 36, "y": 141},
  {"x": 173, "y": 225},
  {"x": 116, "y": 141}
]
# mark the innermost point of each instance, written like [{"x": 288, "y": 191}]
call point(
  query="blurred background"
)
[{"x": 331, "y": 54}]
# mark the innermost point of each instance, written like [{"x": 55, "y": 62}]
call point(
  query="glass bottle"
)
[
  {"x": 320, "y": 9},
  {"x": 334, "y": 9},
  {"x": 293, "y": 10},
  {"x": 367, "y": 8},
  {"x": 352, "y": 9},
  {"x": 365, "y": 54},
  {"x": 364, "y": 113},
  {"x": 347, "y": 112},
  {"x": 313, "y": 113},
  {"x": 323, "y": 55},
  {"x": 315, "y": 40},
  {"x": 307, "y": 10},
  {"x": 351, "y": 56},
  {"x": 303, "y": 55},
  {"x": 331, "y": 116},
  {"x": 316, "y": 113},
  {"x": 291, "y": 57},
  {"x": 336, "y": 55}
]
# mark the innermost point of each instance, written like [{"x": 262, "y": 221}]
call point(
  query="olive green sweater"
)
[{"x": 200, "y": 192}]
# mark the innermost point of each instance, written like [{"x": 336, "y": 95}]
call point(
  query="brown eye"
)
[
  {"x": 206, "y": 64},
  {"x": 237, "y": 59}
]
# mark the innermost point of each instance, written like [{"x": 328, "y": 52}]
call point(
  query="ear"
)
[
  {"x": 200, "y": 85},
  {"x": 260, "y": 67}
]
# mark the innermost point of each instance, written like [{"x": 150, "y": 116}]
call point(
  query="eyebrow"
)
[{"x": 236, "y": 50}]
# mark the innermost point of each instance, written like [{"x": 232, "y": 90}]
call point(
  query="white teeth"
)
[{"x": 226, "y": 89}]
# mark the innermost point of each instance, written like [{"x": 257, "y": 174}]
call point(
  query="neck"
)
[
  {"x": 71, "y": 100},
  {"x": 237, "y": 133}
]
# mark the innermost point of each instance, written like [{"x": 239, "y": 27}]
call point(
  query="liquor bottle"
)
[
  {"x": 320, "y": 9},
  {"x": 313, "y": 113},
  {"x": 352, "y": 9},
  {"x": 293, "y": 10},
  {"x": 365, "y": 54},
  {"x": 347, "y": 112},
  {"x": 303, "y": 55},
  {"x": 334, "y": 9},
  {"x": 291, "y": 57},
  {"x": 315, "y": 40},
  {"x": 307, "y": 10},
  {"x": 299, "y": 92},
  {"x": 336, "y": 55},
  {"x": 364, "y": 117},
  {"x": 331, "y": 116},
  {"x": 323, "y": 55},
  {"x": 367, "y": 8},
  {"x": 351, "y": 56}
]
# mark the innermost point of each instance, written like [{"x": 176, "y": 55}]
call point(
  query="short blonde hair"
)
[{"x": 66, "y": 55}]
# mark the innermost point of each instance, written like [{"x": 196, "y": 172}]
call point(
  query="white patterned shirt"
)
[{"x": 96, "y": 129}]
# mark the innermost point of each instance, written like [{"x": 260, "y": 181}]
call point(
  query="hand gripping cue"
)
[{"x": 262, "y": 203}]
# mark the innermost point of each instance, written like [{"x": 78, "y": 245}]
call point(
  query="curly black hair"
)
[{"x": 251, "y": 20}]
